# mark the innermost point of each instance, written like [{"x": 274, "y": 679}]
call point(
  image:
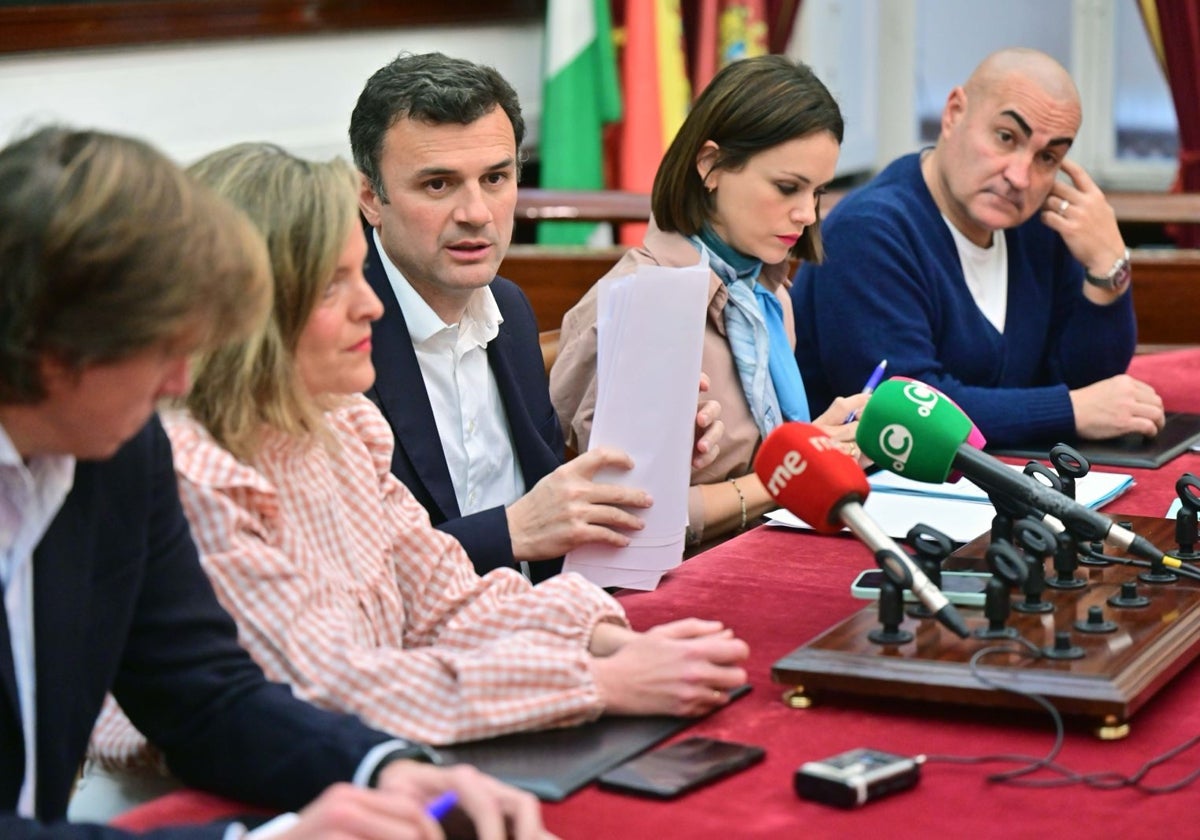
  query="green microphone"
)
[{"x": 910, "y": 429}]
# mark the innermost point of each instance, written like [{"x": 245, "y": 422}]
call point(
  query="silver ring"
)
[{"x": 1062, "y": 207}]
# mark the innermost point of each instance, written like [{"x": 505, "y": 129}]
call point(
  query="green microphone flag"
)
[{"x": 912, "y": 430}]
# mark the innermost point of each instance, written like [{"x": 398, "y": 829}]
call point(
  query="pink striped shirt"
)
[{"x": 341, "y": 588}]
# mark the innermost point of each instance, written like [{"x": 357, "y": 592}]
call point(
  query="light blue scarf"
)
[{"x": 762, "y": 353}]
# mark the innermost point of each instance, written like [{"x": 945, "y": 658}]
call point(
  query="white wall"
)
[
  {"x": 839, "y": 39},
  {"x": 885, "y": 60},
  {"x": 920, "y": 49},
  {"x": 952, "y": 36},
  {"x": 192, "y": 99}
]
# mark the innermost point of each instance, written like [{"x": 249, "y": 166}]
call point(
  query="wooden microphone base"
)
[{"x": 1119, "y": 672}]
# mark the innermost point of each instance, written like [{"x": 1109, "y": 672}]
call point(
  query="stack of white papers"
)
[
  {"x": 650, "y": 334},
  {"x": 961, "y": 509}
]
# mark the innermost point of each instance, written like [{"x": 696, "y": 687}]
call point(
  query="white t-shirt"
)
[{"x": 986, "y": 273}]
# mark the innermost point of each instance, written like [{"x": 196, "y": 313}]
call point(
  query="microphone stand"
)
[{"x": 898, "y": 566}]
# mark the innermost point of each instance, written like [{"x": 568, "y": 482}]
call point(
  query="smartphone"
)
[
  {"x": 965, "y": 588},
  {"x": 673, "y": 770}
]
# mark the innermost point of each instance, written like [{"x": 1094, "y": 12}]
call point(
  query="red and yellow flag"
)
[
  {"x": 727, "y": 30},
  {"x": 656, "y": 94}
]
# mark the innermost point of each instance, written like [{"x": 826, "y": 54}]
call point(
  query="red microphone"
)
[{"x": 808, "y": 474}]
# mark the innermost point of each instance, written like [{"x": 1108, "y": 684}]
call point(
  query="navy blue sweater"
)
[{"x": 892, "y": 287}]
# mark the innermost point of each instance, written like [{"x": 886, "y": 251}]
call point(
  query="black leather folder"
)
[
  {"x": 1177, "y": 436},
  {"x": 554, "y": 764}
]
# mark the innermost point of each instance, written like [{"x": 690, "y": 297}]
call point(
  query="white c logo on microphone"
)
[
  {"x": 896, "y": 442},
  {"x": 924, "y": 397}
]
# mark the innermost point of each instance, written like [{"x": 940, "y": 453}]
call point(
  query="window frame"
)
[
  {"x": 1093, "y": 59},
  {"x": 32, "y": 27}
]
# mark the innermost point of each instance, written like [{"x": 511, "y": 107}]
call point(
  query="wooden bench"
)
[
  {"x": 615, "y": 206},
  {"x": 1166, "y": 286},
  {"x": 556, "y": 277},
  {"x": 1166, "y": 295},
  {"x": 1166, "y": 282}
]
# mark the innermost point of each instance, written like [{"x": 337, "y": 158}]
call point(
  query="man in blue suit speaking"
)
[
  {"x": 114, "y": 268},
  {"x": 459, "y": 372}
]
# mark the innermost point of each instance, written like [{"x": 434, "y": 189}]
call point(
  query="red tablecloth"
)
[{"x": 778, "y": 589}]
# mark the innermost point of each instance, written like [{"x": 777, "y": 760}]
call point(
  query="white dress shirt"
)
[
  {"x": 31, "y": 493},
  {"x": 467, "y": 407}
]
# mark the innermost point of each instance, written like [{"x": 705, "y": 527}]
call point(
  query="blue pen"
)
[
  {"x": 872, "y": 382},
  {"x": 441, "y": 806}
]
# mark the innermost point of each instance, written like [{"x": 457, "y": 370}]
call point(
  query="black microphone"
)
[{"x": 912, "y": 430}]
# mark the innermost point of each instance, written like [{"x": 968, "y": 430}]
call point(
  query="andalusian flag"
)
[
  {"x": 657, "y": 95},
  {"x": 581, "y": 94}
]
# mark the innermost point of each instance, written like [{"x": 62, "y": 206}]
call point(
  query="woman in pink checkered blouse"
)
[{"x": 339, "y": 585}]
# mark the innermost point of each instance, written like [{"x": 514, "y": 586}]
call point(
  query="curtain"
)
[
  {"x": 1174, "y": 29},
  {"x": 656, "y": 94}
]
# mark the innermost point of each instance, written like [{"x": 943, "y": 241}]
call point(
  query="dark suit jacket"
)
[
  {"x": 516, "y": 361},
  {"x": 122, "y": 604}
]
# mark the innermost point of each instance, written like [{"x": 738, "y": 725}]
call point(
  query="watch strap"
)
[{"x": 1117, "y": 278}]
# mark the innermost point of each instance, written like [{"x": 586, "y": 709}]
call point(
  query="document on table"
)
[
  {"x": 1094, "y": 490},
  {"x": 650, "y": 333},
  {"x": 960, "y": 510}
]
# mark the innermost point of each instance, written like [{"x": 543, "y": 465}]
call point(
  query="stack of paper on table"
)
[
  {"x": 650, "y": 333},
  {"x": 961, "y": 510}
]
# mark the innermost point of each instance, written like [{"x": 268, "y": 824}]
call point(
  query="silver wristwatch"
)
[{"x": 1118, "y": 277}]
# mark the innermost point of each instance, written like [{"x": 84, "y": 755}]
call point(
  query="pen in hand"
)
[
  {"x": 441, "y": 806},
  {"x": 872, "y": 382}
]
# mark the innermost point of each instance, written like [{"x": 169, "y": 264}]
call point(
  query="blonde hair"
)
[
  {"x": 305, "y": 210},
  {"x": 107, "y": 249}
]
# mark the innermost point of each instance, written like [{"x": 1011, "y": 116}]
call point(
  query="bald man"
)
[{"x": 974, "y": 267}]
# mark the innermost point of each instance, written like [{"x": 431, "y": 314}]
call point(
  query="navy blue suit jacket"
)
[
  {"x": 121, "y": 603},
  {"x": 515, "y": 358}
]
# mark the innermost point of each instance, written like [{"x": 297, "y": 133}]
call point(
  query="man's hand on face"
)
[{"x": 1082, "y": 216}]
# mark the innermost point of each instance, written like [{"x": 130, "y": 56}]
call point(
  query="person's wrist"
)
[
  {"x": 410, "y": 752},
  {"x": 741, "y": 503},
  {"x": 516, "y": 536},
  {"x": 608, "y": 683},
  {"x": 1116, "y": 278},
  {"x": 607, "y": 638}
]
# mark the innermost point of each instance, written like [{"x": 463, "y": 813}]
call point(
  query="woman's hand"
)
[
  {"x": 833, "y": 423},
  {"x": 709, "y": 429}
]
